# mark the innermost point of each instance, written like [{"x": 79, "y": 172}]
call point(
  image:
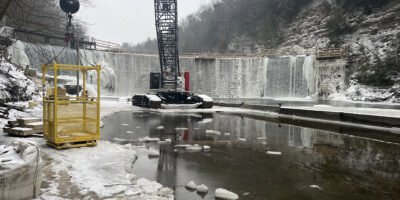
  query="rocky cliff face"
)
[
  {"x": 373, "y": 28},
  {"x": 370, "y": 33}
]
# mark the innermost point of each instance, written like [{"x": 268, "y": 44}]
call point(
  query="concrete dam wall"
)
[{"x": 127, "y": 74}]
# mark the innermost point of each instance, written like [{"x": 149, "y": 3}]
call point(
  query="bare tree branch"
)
[{"x": 4, "y": 9}]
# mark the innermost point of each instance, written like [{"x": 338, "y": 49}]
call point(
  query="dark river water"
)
[{"x": 314, "y": 164}]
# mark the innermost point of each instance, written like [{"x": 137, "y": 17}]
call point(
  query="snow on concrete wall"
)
[{"x": 250, "y": 77}]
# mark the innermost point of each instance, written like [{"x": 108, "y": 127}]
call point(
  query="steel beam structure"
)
[{"x": 166, "y": 15}]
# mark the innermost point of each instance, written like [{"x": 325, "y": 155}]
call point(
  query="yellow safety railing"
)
[{"x": 70, "y": 121}]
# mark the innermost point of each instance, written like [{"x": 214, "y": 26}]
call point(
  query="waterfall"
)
[
  {"x": 128, "y": 74},
  {"x": 289, "y": 77}
]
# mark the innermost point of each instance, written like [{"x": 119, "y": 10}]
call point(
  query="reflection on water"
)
[
  {"x": 344, "y": 167},
  {"x": 304, "y": 102}
]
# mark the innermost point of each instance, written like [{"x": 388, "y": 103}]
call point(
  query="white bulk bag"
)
[{"x": 20, "y": 170}]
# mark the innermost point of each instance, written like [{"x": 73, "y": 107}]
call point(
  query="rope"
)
[
  {"x": 37, "y": 163},
  {"x": 55, "y": 57}
]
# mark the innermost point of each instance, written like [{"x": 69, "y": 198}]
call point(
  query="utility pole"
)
[{"x": 78, "y": 62}]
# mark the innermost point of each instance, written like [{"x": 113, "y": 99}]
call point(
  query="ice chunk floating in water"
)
[
  {"x": 277, "y": 153},
  {"x": 191, "y": 185},
  {"x": 225, "y": 194},
  {"x": 202, "y": 188}
]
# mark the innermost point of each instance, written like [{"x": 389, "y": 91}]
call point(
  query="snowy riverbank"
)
[{"x": 99, "y": 172}]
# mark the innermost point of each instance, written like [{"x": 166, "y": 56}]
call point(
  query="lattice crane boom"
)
[{"x": 166, "y": 15}]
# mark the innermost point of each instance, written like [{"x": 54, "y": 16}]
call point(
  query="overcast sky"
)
[{"x": 128, "y": 20}]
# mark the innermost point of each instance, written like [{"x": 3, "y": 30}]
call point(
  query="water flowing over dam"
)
[{"x": 126, "y": 74}]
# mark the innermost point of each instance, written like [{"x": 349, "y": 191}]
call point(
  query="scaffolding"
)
[{"x": 70, "y": 121}]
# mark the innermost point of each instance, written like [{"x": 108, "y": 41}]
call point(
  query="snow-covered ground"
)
[
  {"x": 14, "y": 85},
  {"x": 99, "y": 172}
]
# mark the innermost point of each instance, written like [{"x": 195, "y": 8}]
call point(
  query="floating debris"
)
[
  {"x": 227, "y": 134},
  {"x": 242, "y": 140},
  {"x": 225, "y": 194},
  {"x": 206, "y": 148},
  {"x": 160, "y": 128},
  {"x": 124, "y": 124},
  {"x": 129, "y": 132}
]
